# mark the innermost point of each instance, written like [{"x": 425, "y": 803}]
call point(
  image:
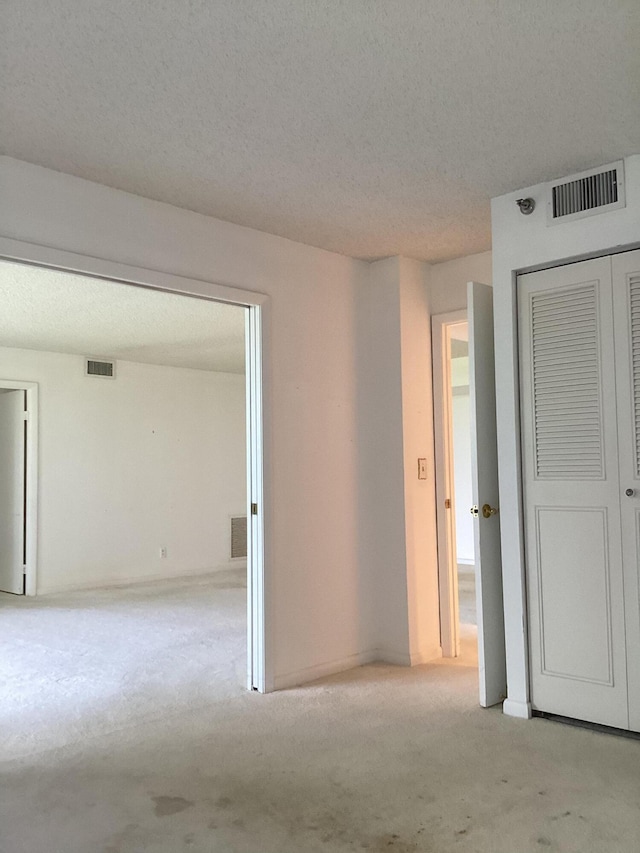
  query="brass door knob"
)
[
  {"x": 474, "y": 511},
  {"x": 488, "y": 511}
]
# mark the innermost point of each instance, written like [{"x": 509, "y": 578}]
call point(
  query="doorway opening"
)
[
  {"x": 451, "y": 424},
  {"x": 19, "y": 485},
  {"x": 462, "y": 491},
  {"x": 456, "y": 541},
  {"x": 125, "y": 366}
]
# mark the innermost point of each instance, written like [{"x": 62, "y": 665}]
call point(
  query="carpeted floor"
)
[
  {"x": 380, "y": 759},
  {"x": 467, "y": 594},
  {"x": 83, "y": 664}
]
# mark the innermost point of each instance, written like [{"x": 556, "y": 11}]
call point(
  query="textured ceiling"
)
[
  {"x": 61, "y": 312},
  {"x": 368, "y": 127}
]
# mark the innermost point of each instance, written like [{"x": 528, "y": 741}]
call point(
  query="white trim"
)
[
  {"x": 261, "y": 666},
  {"x": 445, "y": 518},
  {"x": 31, "y": 524},
  {"x": 322, "y": 670},
  {"x": 384, "y": 656},
  {"x": 43, "y": 256},
  {"x": 260, "y": 678},
  {"x": 511, "y": 708},
  {"x": 136, "y": 580},
  {"x": 413, "y": 659}
]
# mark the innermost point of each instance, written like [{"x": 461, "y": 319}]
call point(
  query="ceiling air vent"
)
[
  {"x": 595, "y": 191},
  {"x": 98, "y": 367}
]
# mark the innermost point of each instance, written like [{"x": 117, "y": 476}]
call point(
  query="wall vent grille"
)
[
  {"x": 238, "y": 537},
  {"x": 97, "y": 367},
  {"x": 587, "y": 193}
]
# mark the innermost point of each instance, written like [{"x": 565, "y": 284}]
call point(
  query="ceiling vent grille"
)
[
  {"x": 238, "y": 537},
  {"x": 595, "y": 191},
  {"x": 97, "y": 367}
]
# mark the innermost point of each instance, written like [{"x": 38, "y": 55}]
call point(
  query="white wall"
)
[
  {"x": 343, "y": 428},
  {"x": 418, "y": 438},
  {"x": 396, "y": 415},
  {"x": 153, "y": 458},
  {"x": 522, "y": 243},
  {"x": 380, "y": 458},
  {"x": 448, "y": 281},
  {"x": 396, "y": 510},
  {"x": 317, "y": 587}
]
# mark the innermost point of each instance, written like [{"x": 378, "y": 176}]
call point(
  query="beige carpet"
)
[
  {"x": 379, "y": 759},
  {"x": 467, "y": 594}
]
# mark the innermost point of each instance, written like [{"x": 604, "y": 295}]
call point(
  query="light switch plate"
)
[{"x": 422, "y": 469}]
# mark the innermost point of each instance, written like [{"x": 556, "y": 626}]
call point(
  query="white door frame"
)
[
  {"x": 260, "y": 665},
  {"x": 31, "y": 481},
  {"x": 445, "y": 516}
]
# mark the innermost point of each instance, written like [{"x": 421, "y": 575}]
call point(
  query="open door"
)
[
  {"x": 484, "y": 464},
  {"x": 12, "y": 490}
]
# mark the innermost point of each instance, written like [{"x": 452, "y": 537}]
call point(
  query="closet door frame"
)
[
  {"x": 625, "y": 269},
  {"x": 563, "y": 680}
]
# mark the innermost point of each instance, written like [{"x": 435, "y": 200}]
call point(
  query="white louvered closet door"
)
[
  {"x": 626, "y": 288},
  {"x": 572, "y": 493}
]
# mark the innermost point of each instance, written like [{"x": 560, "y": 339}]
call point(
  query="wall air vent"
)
[
  {"x": 99, "y": 367},
  {"x": 596, "y": 191},
  {"x": 238, "y": 537}
]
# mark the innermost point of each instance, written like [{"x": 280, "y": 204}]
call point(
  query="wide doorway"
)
[
  {"x": 128, "y": 442},
  {"x": 461, "y": 629}
]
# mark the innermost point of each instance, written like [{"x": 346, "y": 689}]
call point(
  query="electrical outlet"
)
[{"x": 163, "y": 552}]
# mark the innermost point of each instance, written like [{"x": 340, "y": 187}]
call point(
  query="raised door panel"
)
[
  {"x": 626, "y": 289},
  {"x": 571, "y": 491},
  {"x": 574, "y": 605}
]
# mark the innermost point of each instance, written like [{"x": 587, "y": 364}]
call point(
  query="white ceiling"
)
[
  {"x": 368, "y": 127},
  {"x": 61, "y": 312}
]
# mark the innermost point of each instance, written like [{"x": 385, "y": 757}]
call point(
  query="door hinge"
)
[
  {"x": 254, "y": 509},
  {"x": 447, "y": 503}
]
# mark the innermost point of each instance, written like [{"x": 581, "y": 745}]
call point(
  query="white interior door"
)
[
  {"x": 626, "y": 287},
  {"x": 12, "y": 468},
  {"x": 484, "y": 463},
  {"x": 572, "y": 497}
]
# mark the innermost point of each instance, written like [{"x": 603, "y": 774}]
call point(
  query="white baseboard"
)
[
  {"x": 132, "y": 580},
  {"x": 511, "y": 708},
  {"x": 312, "y": 673},
  {"x": 426, "y": 656},
  {"x": 409, "y": 659},
  {"x": 322, "y": 670}
]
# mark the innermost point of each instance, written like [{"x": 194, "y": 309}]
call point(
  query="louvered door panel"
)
[
  {"x": 626, "y": 290},
  {"x": 571, "y": 493},
  {"x": 633, "y": 288},
  {"x": 566, "y": 383}
]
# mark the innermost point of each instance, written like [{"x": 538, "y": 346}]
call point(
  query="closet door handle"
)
[{"x": 630, "y": 492}]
